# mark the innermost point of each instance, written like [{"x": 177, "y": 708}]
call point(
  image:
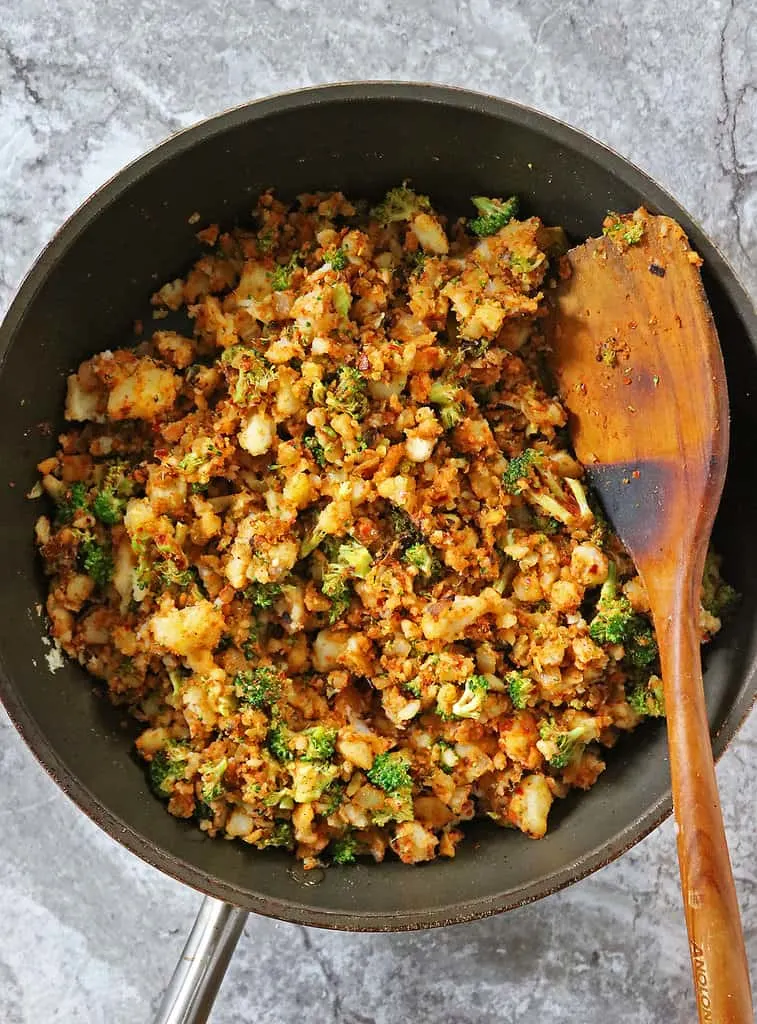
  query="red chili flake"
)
[
  {"x": 636, "y": 474},
  {"x": 161, "y": 453}
]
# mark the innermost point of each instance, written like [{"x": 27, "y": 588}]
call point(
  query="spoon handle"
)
[
  {"x": 716, "y": 940},
  {"x": 192, "y": 990}
]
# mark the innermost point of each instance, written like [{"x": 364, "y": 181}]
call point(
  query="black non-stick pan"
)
[{"x": 84, "y": 294}]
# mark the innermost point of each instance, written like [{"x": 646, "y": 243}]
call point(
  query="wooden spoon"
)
[{"x": 639, "y": 367}]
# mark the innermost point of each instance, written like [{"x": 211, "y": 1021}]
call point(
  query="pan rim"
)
[{"x": 453, "y": 98}]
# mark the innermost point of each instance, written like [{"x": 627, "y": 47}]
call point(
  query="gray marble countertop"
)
[{"x": 90, "y": 934}]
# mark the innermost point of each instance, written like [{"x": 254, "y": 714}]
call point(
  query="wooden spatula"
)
[{"x": 639, "y": 367}]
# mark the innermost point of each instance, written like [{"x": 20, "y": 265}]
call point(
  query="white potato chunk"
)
[
  {"x": 530, "y": 806},
  {"x": 258, "y": 433},
  {"x": 185, "y": 630}
]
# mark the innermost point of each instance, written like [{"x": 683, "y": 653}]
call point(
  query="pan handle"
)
[{"x": 198, "y": 975}]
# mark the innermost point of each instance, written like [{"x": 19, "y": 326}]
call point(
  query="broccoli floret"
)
[
  {"x": 108, "y": 507},
  {"x": 193, "y": 461},
  {"x": 561, "y": 748},
  {"x": 279, "y": 741},
  {"x": 343, "y": 850},
  {"x": 494, "y": 214},
  {"x": 203, "y": 812},
  {"x": 391, "y": 772},
  {"x": 470, "y": 703},
  {"x": 336, "y": 588},
  {"x": 282, "y": 834},
  {"x": 405, "y": 530},
  {"x": 315, "y": 448},
  {"x": 97, "y": 561},
  {"x": 400, "y": 204},
  {"x": 167, "y": 768},
  {"x": 342, "y": 299},
  {"x": 648, "y": 700},
  {"x": 352, "y": 560},
  {"x": 334, "y": 797},
  {"x": 110, "y": 501},
  {"x": 211, "y": 787},
  {"x": 263, "y": 595},
  {"x": 281, "y": 277},
  {"x": 623, "y": 229},
  {"x": 259, "y": 687},
  {"x": 397, "y": 807},
  {"x": 532, "y": 474},
  {"x": 74, "y": 500},
  {"x": 444, "y": 396},
  {"x": 349, "y": 394},
  {"x": 448, "y": 756},
  {"x": 617, "y": 623},
  {"x": 321, "y": 741},
  {"x": 171, "y": 575},
  {"x": 521, "y": 689},
  {"x": 718, "y": 597},
  {"x": 311, "y": 779},
  {"x": 337, "y": 259},
  {"x": 421, "y": 557},
  {"x": 614, "y": 622},
  {"x": 254, "y": 373},
  {"x": 356, "y": 558}
]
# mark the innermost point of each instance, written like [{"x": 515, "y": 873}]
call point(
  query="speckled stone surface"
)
[{"x": 89, "y": 933}]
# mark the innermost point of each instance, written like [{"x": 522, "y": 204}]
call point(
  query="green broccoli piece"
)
[
  {"x": 562, "y": 748},
  {"x": 263, "y": 595},
  {"x": 616, "y": 623},
  {"x": 108, "y": 507},
  {"x": 334, "y": 796},
  {"x": 623, "y": 229},
  {"x": 282, "y": 834},
  {"x": 281, "y": 277},
  {"x": 421, "y": 557},
  {"x": 718, "y": 597},
  {"x": 279, "y": 741},
  {"x": 337, "y": 259},
  {"x": 258, "y": 688},
  {"x": 343, "y": 850},
  {"x": 321, "y": 741},
  {"x": 405, "y": 530},
  {"x": 448, "y": 756},
  {"x": 352, "y": 560},
  {"x": 336, "y": 588},
  {"x": 400, "y": 204},
  {"x": 342, "y": 299},
  {"x": 167, "y": 768},
  {"x": 391, "y": 772},
  {"x": 97, "y": 561},
  {"x": 254, "y": 373},
  {"x": 532, "y": 474},
  {"x": 470, "y": 703},
  {"x": 444, "y": 395},
  {"x": 494, "y": 214},
  {"x": 356, "y": 558},
  {"x": 203, "y": 812},
  {"x": 349, "y": 394},
  {"x": 647, "y": 701},
  {"x": 521, "y": 689},
  {"x": 211, "y": 787},
  {"x": 316, "y": 449},
  {"x": 171, "y": 575},
  {"x": 73, "y": 501}
]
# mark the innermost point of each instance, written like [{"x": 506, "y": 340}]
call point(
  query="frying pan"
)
[{"x": 84, "y": 294}]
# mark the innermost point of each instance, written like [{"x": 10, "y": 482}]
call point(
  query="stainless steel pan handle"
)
[{"x": 198, "y": 975}]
